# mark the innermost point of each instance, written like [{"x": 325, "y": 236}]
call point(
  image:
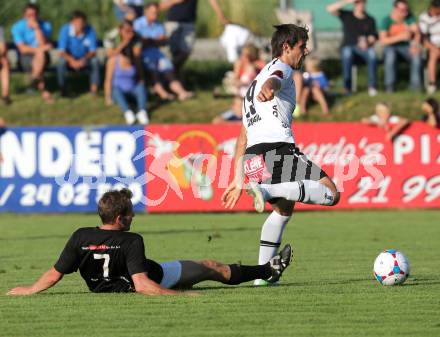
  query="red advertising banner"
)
[{"x": 189, "y": 166}]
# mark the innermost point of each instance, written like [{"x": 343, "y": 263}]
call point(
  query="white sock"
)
[
  {"x": 130, "y": 118},
  {"x": 142, "y": 117},
  {"x": 271, "y": 235},
  {"x": 306, "y": 191}
]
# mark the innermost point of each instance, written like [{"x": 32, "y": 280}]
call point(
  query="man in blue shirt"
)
[
  {"x": 31, "y": 35},
  {"x": 157, "y": 64},
  {"x": 77, "y": 44}
]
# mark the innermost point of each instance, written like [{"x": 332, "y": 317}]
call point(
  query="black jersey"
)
[{"x": 106, "y": 259}]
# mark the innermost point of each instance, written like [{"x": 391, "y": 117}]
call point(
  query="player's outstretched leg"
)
[
  {"x": 322, "y": 192},
  {"x": 209, "y": 270}
]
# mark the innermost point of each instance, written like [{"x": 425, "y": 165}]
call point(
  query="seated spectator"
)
[
  {"x": 120, "y": 37},
  {"x": 429, "y": 23},
  {"x": 360, "y": 36},
  {"x": 315, "y": 86},
  {"x": 77, "y": 44},
  {"x": 400, "y": 36},
  {"x": 238, "y": 82},
  {"x": 431, "y": 110},
  {"x": 4, "y": 69},
  {"x": 392, "y": 124},
  {"x": 157, "y": 64},
  {"x": 32, "y": 38},
  {"x": 122, "y": 7},
  {"x": 124, "y": 81}
]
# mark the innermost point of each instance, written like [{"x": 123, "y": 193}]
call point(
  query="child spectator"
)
[
  {"x": 392, "y": 124},
  {"x": 4, "y": 69},
  {"x": 429, "y": 23},
  {"x": 123, "y": 81},
  {"x": 315, "y": 86},
  {"x": 77, "y": 44},
  {"x": 238, "y": 82},
  {"x": 32, "y": 38},
  {"x": 157, "y": 64},
  {"x": 431, "y": 110}
]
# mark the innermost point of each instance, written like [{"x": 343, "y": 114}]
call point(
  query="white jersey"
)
[
  {"x": 270, "y": 122},
  {"x": 430, "y": 26}
]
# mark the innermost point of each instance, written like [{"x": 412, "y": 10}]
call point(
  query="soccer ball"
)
[{"x": 391, "y": 267}]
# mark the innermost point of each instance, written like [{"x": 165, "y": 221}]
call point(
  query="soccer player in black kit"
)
[{"x": 111, "y": 259}]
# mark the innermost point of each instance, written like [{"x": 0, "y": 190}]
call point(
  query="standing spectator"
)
[
  {"x": 180, "y": 27},
  {"x": 360, "y": 35},
  {"x": 77, "y": 44},
  {"x": 429, "y": 23},
  {"x": 124, "y": 80},
  {"x": 31, "y": 35},
  {"x": 315, "y": 86},
  {"x": 4, "y": 69},
  {"x": 122, "y": 7},
  {"x": 431, "y": 112},
  {"x": 158, "y": 65},
  {"x": 401, "y": 37}
]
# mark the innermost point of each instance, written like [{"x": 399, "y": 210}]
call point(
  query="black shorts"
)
[{"x": 281, "y": 162}]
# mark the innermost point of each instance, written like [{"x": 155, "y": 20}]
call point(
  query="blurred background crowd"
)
[{"x": 141, "y": 63}]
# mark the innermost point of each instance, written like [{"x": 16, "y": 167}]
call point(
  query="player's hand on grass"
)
[
  {"x": 231, "y": 195},
  {"x": 20, "y": 291}
]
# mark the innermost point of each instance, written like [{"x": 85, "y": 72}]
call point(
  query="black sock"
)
[{"x": 240, "y": 273}]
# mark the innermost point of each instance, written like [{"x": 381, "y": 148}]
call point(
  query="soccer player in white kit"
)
[{"x": 266, "y": 153}]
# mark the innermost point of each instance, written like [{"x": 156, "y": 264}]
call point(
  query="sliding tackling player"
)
[
  {"x": 111, "y": 259},
  {"x": 266, "y": 153}
]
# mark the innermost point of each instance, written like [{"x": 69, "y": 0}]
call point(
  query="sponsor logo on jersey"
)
[{"x": 99, "y": 247}]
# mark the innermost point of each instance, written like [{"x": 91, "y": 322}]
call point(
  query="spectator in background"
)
[
  {"x": 392, "y": 124},
  {"x": 122, "y": 36},
  {"x": 124, "y": 81},
  {"x": 401, "y": 38},
  {"x": 360, "y": 36},
  {"x": 122, "y": 7},
  {"x": 4, "y": 69},
  {"x": 429, "y": 24},
  {"x": 180, "y": 27},
  {"x": 157, "y": 64},
  {"x": 431, "y": 110},
  {"x": 237, "y": 83},
  {"x": 31, "y": 35},
  {"x": 77, "y": 44},
  {"x": 315, "y": 85}
]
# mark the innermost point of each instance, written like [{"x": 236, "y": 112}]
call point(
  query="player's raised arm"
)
[
  {"x": 145, "y": 286},
  {"x": 46, "y": 281},
  {"x": 233, "y": 192},
  {"x": 269, "y": 89}
]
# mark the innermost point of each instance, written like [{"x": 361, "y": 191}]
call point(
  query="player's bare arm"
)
[
  {"x": 145, "y": 286},
  {"x": 233, "y": 192},
  {"x": 46, "y": 281},
  {"x": 269, "y": 89}
]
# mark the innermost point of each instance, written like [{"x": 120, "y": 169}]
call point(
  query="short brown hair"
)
[
  {"x": 287, "y": 33},
  {"x": 113, "y": 204}
]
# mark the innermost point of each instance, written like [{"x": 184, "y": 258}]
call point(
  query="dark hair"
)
[
  {"x": 288, "y": 33},
  {"x": 113, "y": 204},
  {"x": 35, "y": 7},
  {"x": 435, "y": 109},
  {"x": 126, "y": 22},
  {"x": 77, "y": 14},
  {"x": 435, "y": 3},
  {"x": 151, "y": 4}
]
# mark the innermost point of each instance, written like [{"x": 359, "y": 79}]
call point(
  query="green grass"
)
[{"x": 329, "y": 290}]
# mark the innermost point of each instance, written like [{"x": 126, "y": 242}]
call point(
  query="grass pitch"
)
[{"x": 328, "y": 291}]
